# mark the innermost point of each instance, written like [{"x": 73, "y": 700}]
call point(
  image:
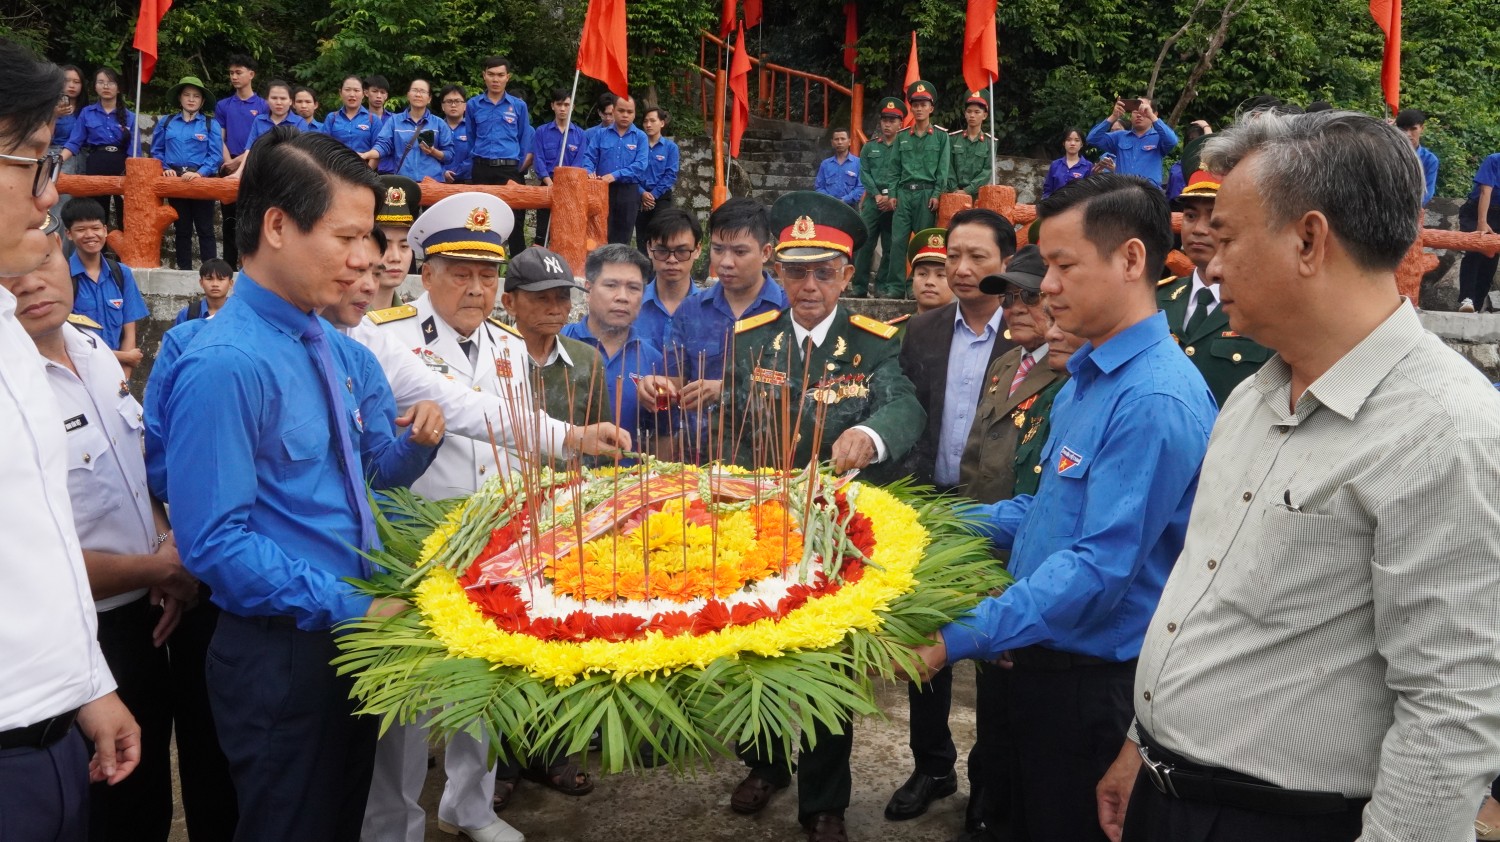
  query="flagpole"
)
[
  {"x": 140, "y": 65},
  {"x": 562, "y": 150},
  {"x": 994, "y": 171}
]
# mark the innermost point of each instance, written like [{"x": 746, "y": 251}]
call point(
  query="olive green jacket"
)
[
  {"x": 971, "y": 162},
  {"x": 1223, "y": 357},
  {"x": 988, "y": 470}
]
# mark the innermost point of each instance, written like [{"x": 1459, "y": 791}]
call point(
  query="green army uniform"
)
[
  {"x": 572, "y": 384},
  {"x": 874, "y": 174},
  {"x": 1223, "y": 357},
  {"x": 1003, "y": 421},
  {"x": 1034, "y": 420},
  {"x": 852, "y": 378},
  {"x": 971, "y": 158},
  {"x": 921, "y": 167}
]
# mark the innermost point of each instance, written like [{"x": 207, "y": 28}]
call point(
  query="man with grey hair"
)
[
  {"x": 1358, "y": 643},
  {"x": 616, "y": 276}
]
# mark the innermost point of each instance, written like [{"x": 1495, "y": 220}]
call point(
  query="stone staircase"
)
[{"x": 777, "y": 157}]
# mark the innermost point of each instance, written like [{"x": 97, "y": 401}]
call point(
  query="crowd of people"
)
[{"x": 1243, "y": 605}]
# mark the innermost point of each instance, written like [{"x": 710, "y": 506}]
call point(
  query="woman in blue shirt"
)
[
  {"x": 72, "y": 103},
  {"x": 190, "y": 145},
  {"x": 103, "y": 130},
  {"x": 305, "y": 105},
  {"x": 279, "y": 100},
  {"x": 1070, "y": 167}
]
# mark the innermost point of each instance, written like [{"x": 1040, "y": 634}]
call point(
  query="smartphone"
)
[
  {"x": 1131, "y": 104},
  {"x": 427, "y": 137}
]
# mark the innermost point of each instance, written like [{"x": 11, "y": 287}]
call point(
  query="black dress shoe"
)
[
  {"x": 974, "y": 813},
  {"x": 918, "y": 793}
]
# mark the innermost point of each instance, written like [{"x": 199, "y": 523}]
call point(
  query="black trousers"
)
[
  {"x": 1065, "y": 727},
  {"x": 1477, "y": 272},
  {"x": 624, "y": 206},
  {"x": 823, "y": 777},
  {"x": 139, "y": 807},
  {"x": 487, "y": 174},
  {"x": 202, "y": 770},
  {"x": 100, "y": 162},
  {"x": 301, "y": 760},
  {"x": 194, "y": 216},
  {"x": 1153, "y": 817},
  {"x": 44, "y": 793},
  {"x": 643, "y": 219}
]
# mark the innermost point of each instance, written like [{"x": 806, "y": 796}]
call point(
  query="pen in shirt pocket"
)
[{"x": 1286, "y": 497}]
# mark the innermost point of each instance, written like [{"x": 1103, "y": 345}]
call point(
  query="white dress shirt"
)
[
  {"x": 1331, "y": 622},
  {"x": 106, "y": 462},
  {"x": 819, "y": 333},
  {"x": 968, "y": 360},
  {"x": 48, "y": 628}
]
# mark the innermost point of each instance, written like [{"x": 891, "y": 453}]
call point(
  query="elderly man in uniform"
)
[
  {"x": 1194, "y": 315},
  {"x": 857, "y": 409},
  {"x": 450, "y": 331}
]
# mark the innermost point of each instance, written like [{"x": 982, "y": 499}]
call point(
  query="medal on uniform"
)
[
  {"x": 769, "y": 376},
  {"x": 502, "y": 367},
  {"x": 855, "y": 362}
]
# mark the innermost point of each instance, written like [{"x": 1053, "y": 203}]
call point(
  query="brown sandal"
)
[
  {"x": 753, "y": 794},
  {"x": 566, "y": 777},
  {"x": 504, "y": 789}
]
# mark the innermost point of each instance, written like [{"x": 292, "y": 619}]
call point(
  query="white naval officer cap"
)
[{"x": 464, "y": 226}]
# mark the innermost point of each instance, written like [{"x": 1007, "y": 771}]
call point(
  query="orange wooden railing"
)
[
  {"x": 580, "y": 206},
  {"x": 775, "y": 95},
  {"x": 1418, "y": 262}
]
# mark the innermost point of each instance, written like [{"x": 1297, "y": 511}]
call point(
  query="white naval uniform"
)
[
  {"x": 106, "y": 454},
  {"x": 421, "y": 357}
]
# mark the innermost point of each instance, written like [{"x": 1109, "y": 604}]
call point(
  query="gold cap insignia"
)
[
  {"x": 804, "y": 229},
  {"x": 479, "y": 220},
  {"x": 921, "y": 89},
  {"x": 935, "y": 241},
  {"x": 395, "y": 196}
]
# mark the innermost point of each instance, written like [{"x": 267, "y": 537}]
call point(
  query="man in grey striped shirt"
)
[{"x": 1324, "y": 663}]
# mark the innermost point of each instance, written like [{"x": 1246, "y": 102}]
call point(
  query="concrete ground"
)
[{"x": 658, "y": 805}]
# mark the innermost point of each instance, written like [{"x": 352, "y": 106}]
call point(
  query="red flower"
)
[
  {"x": 514, "y": 623},
  {"x": 671, "y": 623},
  {"x": 500, "y": 540},
  {"x": 746, "y": 613},
  {"x": 575, "y": 627},
  {"x": 617, "y": 627},
  {"x": 711, "y": 618},
  {"x": 796, "y": 597},
  {"x": 498, "y": 600},
  {"x": 697, "y": 513},
  {"x": 545, "y": 628},
  {"x": 852, "y": 570}
]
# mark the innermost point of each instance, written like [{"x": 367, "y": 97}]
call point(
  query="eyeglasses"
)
[
  {"x": 106, "y": 83},
  {"x": 453, "y": 102},
  {"x": 823, "y": 274},
  {"x": 1027, "y": 297},
  {"x": 47, "y": 168},
  {"x": 682, "y": 253}
]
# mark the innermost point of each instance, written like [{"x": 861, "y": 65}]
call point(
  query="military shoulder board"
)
[
  {"x": 880, "y": 329},
  {"x": 84, "y": 321},
  {"x": 754, "y": 322},
  {"x": 392, "y": 314},
  {"x": 508, "y": 328}
]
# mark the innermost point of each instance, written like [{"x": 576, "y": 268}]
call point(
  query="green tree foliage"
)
[{"x": 1061, "y": 64}]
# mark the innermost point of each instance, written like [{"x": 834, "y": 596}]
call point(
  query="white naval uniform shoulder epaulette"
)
[{"x": 508, "y": 328}]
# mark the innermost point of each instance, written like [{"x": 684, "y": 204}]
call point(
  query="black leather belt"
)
[
  {"x": 102, "y": 148},
  {"x": 499, "y": 162},
  {"x": 917, "y": 185},
  {"x": 1175, "y": 777},
  {"x": 1042, "y": 659},
  {"x": 42, "y": 735}
]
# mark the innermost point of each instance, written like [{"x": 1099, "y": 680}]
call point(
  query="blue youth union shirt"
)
[
  {"x": 271, "y": 529},
  {"x": 1092, "y": 550},
  {"x": 637, "y": 356},
  {"x": 357, "y": 132},
  {"x": 110, "y": 301}
]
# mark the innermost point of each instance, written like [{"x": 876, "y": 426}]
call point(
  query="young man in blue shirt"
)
[
  {"x": 109, "y": 298},
  {"x": 1414, "y": 122},
  {"x": 236, "y": 113},
  {"x": 265, "y": 394},
  {"x": 617, "y": 154},
  {"x": 1481, "y": 213},
  {"x": 499, "y": 126},
  {"x": 673, "y": 244},
  {"x": 663, "y": 159},
  {"x": 1140, "y": 149},
  {"x": 838, "y": 175},
  {"x": 1092, "y": 549},
  {"x": 547, "y": 151}
]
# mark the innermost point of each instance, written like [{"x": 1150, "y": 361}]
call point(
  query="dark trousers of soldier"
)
[
  {"x": 1065, "y": 724},
  {"x": 139, "y": 807},
  {"x": 624, "y": 207},
  {"x": 911, "y": 216},
  {"x": 504, "y": 174},
  {"x": 878, "y": 225},
  {"x": 823, "y": 776},
  {"x": 643, "y": 219},
  {"x": 194, "y": 216},
  {"x": 301, "y": 760},
  {"x": 1477, "y": 272}
]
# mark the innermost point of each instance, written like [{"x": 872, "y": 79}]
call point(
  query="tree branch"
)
[
  {"x": 1231, "y": 10},
  {"x": 1166, "y": 47}
]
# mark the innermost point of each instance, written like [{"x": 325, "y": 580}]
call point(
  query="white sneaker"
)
[
  {"x": 1466, "y": 306},
  {"x": 497, "y": 832}
]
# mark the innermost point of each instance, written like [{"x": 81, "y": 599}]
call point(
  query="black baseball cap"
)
[
  {"x": 1026, "y": 271},
  {"x": 537, "y": 269}
]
